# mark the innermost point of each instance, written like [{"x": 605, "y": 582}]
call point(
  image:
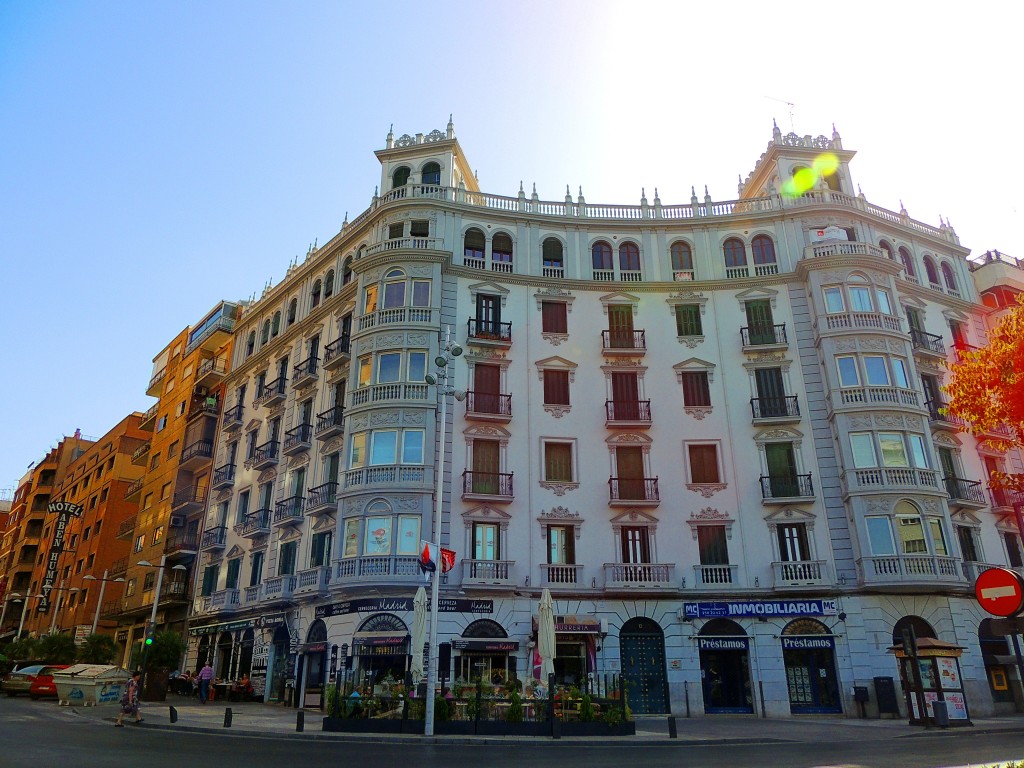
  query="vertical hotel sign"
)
[{"x": 65, "y": 511}]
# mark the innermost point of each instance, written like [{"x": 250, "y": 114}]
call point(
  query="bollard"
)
[
  {"x": 227, "y": 717},
  {"x": 174, "y": 714},
  {"x": 672, "y": 733},
  {"x": 300, "y": 721}
]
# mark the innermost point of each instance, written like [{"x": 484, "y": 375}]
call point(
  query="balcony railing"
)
[
  {"x": 126, "y": 528},
  {"x": 256, "y": 524},
  {"x": 271, "y": 393},
  {"x": 233, "y": 416},
  {"x": 337, "y": 351},
  {"x": 797, "y": 573},
  {"x": 911, "y": 568},
  {"x": 1006, "y": 497},
  {"x": 288, "y": 511},
  {"x": 386, "y": 475},
  {"x": 781, "y": 407},
  {"x": 266, "y": 455},
  {"x": 489, "y": 484},
  {"x": 330, "y": 422},
  {"x": 487, "y": 571},
  {"x": 135, "y": 487},
  {"x": 314, "y": 579},
  {"x": 206, "y": 335},
  {"x": 938, "y": 415},
  {"x": 863, "y": 321},
  {"x": 279, "y": 587},
  {"x": 559, "y": 573},
  {"x": 139, "y": 454},
  {"x": 639, "y": 575},
  {"x": 298, "y": 439},
  {"x": 322, "y": 498},
  {"x": 969, "y": 492},
  {"x": 715, "y": 575},
  {"x": 224, "y": 476},
  {"x": 119, "y": 567},
  {"x": 888, "y": 477},
  {"x": 306, "y": 371},
  {"x": 927, "y": 342},
  {"x": 188, "y": 497},
  {"x": 203, "y": 406},
  {"x": 627, "y": 412},
  {"x": 489, "y": 330},
  {"x": 197, "y": 453},
  {"x": 175, "y": 591},
  {"x": 786, "y": 487},
  {"x": 214, "y": 538},
  {"x": 488, "y": 405},
  {"x": 763, "y": 335},
  {"x": 372, "y": 567},
  {"x": 627, "y": 341},
  {"x": 380, "y": 393},
  {"x": 396, "y": 315},
  {"x": 878, "y": 396},
  {"x": 633, "y": 490},
  {"x": 211, "y": 370},
  {"x": 182, "y": 542},
  {"x": 149, "y": 418},
  {"x": 155, "y": 384}
]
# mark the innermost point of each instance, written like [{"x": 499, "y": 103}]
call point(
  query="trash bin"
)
[
  {"x": 90, "y": 684},
  {"x": 940, "y": 713}
]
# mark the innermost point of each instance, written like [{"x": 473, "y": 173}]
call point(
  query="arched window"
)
[
  {"x": 763, "y": 249},
  {"x": 929, "y": 270},
  {"x": 887, "y": 250},
  {"x": 329, "y": 285},
  {"x": 601, "y": 255},
  {"x": 394, "y": 289},
  {"x": 735, "y": 253},
  {"x": 400, "y": 177},
  {"x": 501, "y": 248},
  {"x": 474, "y": 244},
  {"x": 293, "y": 308},
  {"x": 832, "y": 181},
  {"x": 361, "y": 252},
  {"x": 346, "y": 271},
  {"x": 908, "y": 262},
  {"x": 921, "y": 628},
  {"x": 276, "y": 327},
  {"x": 682, "y": 256},
  {"x": 250, "y": 345},
  {"x": 316, "y": 294},
  {"x": 265, "y": 336},
  {"x": 949, "y": 278},
  {"x": 629, "y": 257},
  {"x": 551, "y": 252},
  {"x": 432, "y": 174}
]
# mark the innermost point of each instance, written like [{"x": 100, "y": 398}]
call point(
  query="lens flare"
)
[
  {"x": 804, "y": 179},
  {"x": 826, "y": 164}
]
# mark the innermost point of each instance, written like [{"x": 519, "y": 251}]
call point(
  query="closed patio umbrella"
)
[
  {"x": 546, "y": 635},
  {"x": 419, "y": 634}
]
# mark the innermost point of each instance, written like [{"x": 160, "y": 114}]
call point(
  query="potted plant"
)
[{"x": 163, "y": 656}]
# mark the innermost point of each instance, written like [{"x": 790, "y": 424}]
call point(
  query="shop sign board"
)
[
  {"x": 722, "y": 643},
  {"x": 797, "y": 643},
  {"x": 378, "y": 604},
  {"x": 761, "y": 608}
]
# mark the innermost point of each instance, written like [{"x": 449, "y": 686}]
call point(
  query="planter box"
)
[
  {"x": 501, "y": 728},
  {"x": 598, "y": 728},
  {"x": 371, "y": 725},
  {"x": 469, "y": 728}
]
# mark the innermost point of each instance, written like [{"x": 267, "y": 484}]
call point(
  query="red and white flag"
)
[{"x": 447, "y": 559}]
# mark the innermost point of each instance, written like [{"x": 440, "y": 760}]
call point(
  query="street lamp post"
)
[
  {"x": 11, "y": 598},
  {"x": 442, "y": 378},
  {"x": 24, "y": 609},
  {"x": 156, "y": 601},
  {"x": 99, "y": 600},
  {"x": 55, "y": 607}
]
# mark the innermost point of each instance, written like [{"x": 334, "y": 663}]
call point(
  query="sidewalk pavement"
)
[{"x": 271, "y": 720}]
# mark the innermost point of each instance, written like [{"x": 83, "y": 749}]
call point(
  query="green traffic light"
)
[{"x": 149, "y": 641}]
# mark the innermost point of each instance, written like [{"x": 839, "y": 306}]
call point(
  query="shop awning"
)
[
  {"x": 485, "y": 644},
  {"x": 227, "y": 626},
  {"x": 379, "y": 638}
]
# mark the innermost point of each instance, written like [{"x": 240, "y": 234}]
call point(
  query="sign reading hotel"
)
[
  {"x": 65, "y": 511},
  {"x": 761, "y": 608}
]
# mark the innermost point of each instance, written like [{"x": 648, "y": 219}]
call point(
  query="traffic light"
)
[{"x": 150, "y": 632}]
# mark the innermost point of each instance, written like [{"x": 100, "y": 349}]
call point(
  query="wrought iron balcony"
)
[
  {"x": 927, "y": 343},
  {"x": 223, "y": 476},
  {"x": 330, "y": 423},
  {"x": 633, "y": 491},
  {"x": 488, "y": 406},
  {"x": 196, "y": 454},
  {"x": 1006, "y": 497},
  {"x": 256, "y": 524},
  {"x": 781, "y": 489},
  {"x": 626, "y": 341},
  {"x": 940, "y": 418},
  {"x": 775, "y": 409},
  {"x": 271, "y": 393},
  {"x": 119, "y": 567},
  {"x": 134, "y": 488},
  {"x": 627, "y": 413},
  {"x": 211, "y": 371},
  {"x": 492, "y": 486},
  {"x": 155, "y": 386},
  {"x": 181, "y": 542},
  {"x": 214, "y": 539},
  {"x": 233, "y": 416},
  {"x": 188, "y": 499},
  {"x": 306, "y": 371},
  {"x": 965, "y": 493},
  {"x": 489, "y": 332},
  {"x": 203, "y": 406},
  {"x": 337, "y": 352},
  {"x": 288, "y": 511},
  {"x": 763, "y": 336},
  {"x": 298, "y": 439},
  {"x": 322, "y": 499},
  {"x": 140, "y": 455},
  {"x": 266, "y": 455}
]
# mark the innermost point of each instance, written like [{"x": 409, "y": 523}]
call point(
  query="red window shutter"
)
[
  {"x": 556, "y": 387},
  {"x": 554, "y": 317},
  {"x": 703, "y": 464}
]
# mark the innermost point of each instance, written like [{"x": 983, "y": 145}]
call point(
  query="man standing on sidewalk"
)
[{"x": 205, "y": 676}]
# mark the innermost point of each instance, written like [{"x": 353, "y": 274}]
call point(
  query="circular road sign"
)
[{"x": 1000, "y": 591}]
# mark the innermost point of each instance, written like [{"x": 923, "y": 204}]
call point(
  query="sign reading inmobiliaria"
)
[
  {"x": 65, "y": 511},
  {"x": 759, "y": 608}
]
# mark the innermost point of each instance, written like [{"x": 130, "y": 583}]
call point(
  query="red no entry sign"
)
[{"x": 1000, "y": 591}]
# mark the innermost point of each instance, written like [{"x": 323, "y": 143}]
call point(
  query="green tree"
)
[
  {"x": 21, "y": 650},
  {"x": 97, "y": 649},
  {"x": 56, "y": 648},
  {"x": 165, "y": 652}
]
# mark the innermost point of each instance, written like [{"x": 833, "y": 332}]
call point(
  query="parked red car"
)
[{"x": 43, "y": 684}]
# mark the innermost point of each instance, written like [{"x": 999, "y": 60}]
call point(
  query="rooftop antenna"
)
[{"x": 791, "y": 106}]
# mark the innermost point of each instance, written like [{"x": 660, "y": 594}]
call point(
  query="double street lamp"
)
[
  {"x": 55, "y": 607},
  {"x": 442, "y": 377},
  {"x": 99, "y": 600},
  {"x": 156, "y": 601},
  {"x": 13, "y": 598}
]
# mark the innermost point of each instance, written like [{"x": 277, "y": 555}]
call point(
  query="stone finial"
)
[
  {"x": 903, "y": 210},
  {"x": 657, "y": 198},
  {"x": 533, "y": 196},
  {"x": 391, "y": 136},
  {"x": 739, "y": 183},
  {"x": 521, "y": 192},
  {"x": 450, "y": 131},
  {"x": 860, "y": 193},
  {"x": 693, "y": 196},
  {"x": 837, "y": 141},
  {"x": 707, "y": 196},
  {"x": 568, "y": 196},
  {"x": 345, "y": 222},
  {"x": 476, "y": 175},
  {"x": 776, "y": 133}
]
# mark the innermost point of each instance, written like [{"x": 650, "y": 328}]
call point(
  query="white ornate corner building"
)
[{"x": 714, "y": 430}]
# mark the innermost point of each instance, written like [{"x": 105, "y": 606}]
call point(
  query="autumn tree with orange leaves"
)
[{"x": 987, "y": 389}]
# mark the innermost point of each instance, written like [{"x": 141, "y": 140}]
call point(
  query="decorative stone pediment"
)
[
  {"x": 291, "y": 533},
  {"x": 235, "y": 551},
  {"x": 909, "y": 300},
  {"x": 952, "y": 314},
  {"x": 757, "y": 294},
  {"x": 710, "y": 516},
  {"x": 946, "y": 439},
  {"x": 620, "y": 298},
  {"x": 557, "y": 363},
  {"x": 486, "y": 432},
  {"x": 486, "y": 515},
  {"x": 489, "y": 289},
  {"x": 560, "y": 516},
  {"x": 323, "y": 522},
  {"x": 253, "y": 424},
  {"x": 634, "y": 517},
  {"x": 788, "y": 516},
  {"x": 965, "y": 517},
  {"x": 778, "y": 434},
  {"x": 555, "y": 293},
  {"x": 267, "y": 475},
  {"x": 628, "y": 438},
  {"x": 694, "y": 364}
]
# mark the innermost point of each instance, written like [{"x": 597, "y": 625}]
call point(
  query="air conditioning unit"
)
[
  {"x": 202, "y": 391},
  {"x": 177, "y": 521}
]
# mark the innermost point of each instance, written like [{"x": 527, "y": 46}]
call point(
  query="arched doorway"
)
[
  {"x": 808, "y": 652},
  {"x": 642, "y": 658},
  {"x": 222, "y": 669},
  {"x": 381, "y": 649},
  {"x": 484, "y": 652},
  {"x": 314, "y": 663},
  {"x": 725, "y": 668},
  {"x": 204, "y": 652},
  {"x": 921, "y": 629},
  {"x": 245, "y": 653},
  {"x": 280, "y": 662}
]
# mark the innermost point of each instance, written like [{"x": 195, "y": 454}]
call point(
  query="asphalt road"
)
[{"x": 39, "y": 735}]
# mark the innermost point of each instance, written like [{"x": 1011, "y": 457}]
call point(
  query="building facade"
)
[{"x": 713, "y": 431}]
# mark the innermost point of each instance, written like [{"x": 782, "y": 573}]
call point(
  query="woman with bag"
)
[{"x": 130, "y": 700}]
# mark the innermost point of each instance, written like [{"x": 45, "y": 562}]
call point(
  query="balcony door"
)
[
  {"x": 625, "y": 397},
  {"x": 932, "y": 397},
  {"x": 793, "y": 543},
  {"x": 629, "y": 467},
  {"x": 781, "y": 469},
  {"x": 636, "y": 548},
  {"x": 487, "y": 388},
  {"x": 486, "y": 466},
  {"x": 771, "y": 392},
  {"x": 760, "y": 325},
  {"x": 486, "y": 544},
  {"x": 948, "y": 462},
  {"x": 488, "y": 315},
  {"x": 620, "y": 326}
]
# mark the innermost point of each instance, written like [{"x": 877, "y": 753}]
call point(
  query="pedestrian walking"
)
[
  {"x": 130, "y": 700},
  {"x": 205, "y": 676}
]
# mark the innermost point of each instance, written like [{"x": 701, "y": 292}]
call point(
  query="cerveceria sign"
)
[{"x": 65, "y": 511}]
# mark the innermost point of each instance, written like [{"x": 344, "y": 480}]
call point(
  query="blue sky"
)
[{"x": 158, "y": 157}]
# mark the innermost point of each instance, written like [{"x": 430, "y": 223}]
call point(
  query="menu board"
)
[
  {"x": 956, "y": 706},
  {"x": 949, "y": 676}
]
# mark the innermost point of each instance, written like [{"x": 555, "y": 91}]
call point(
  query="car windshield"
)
[
  {"x": 49, "y": 670},
  {"x": 33, "y": 670}
]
